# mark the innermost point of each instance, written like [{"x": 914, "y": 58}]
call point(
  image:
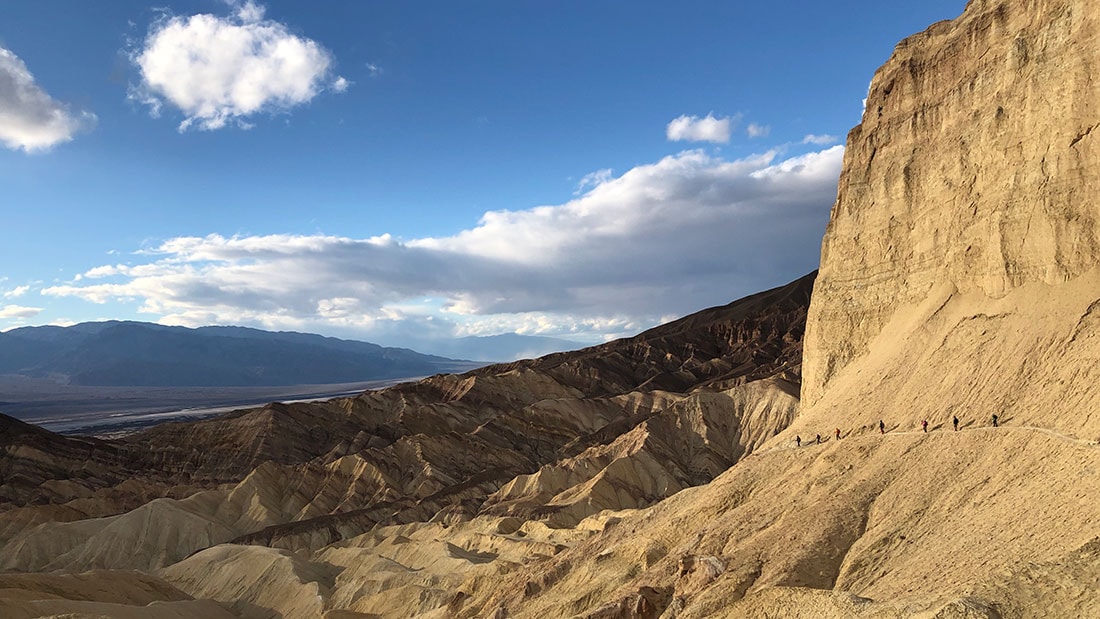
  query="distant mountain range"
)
[
  {"x": 495, "y": 348},
  {"x": 148, "y": 355}
]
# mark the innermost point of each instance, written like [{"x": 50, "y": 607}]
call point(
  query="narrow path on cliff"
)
[
  {"x": 810, "y": 442},
  {"x": 1058, "y": 435}
]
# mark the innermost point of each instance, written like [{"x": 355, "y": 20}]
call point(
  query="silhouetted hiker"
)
[
  {"x": 798, "y": 441},
  {"x": 838, "y": 434},
  {"x": 924, "y": 425},
  {"x": 994, "y": 420},
  {"x": 955, "y": 422},
  {"x": 881, "y": 427},
  {"x": 818, "y": 439}
]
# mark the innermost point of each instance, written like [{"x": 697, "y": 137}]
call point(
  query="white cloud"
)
[
  {"x": 695, "y": 129},
  {"x": 222, "y": 70},
  {"x": 249, "y": 12},
  {"x": 758, "y": 131},
  {"x": 29, "y": 118},
  {"x": 593, "y": 179},
  {"x": 819, "y": 140},
  {"x": 18, "y": 311},
  {"x": 16, "y": 292},
  {"x": 340, "y": 84},
  {"x": 667, "y": 238},
  {"x": 374, "y": 69}
]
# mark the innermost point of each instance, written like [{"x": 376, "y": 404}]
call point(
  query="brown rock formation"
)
[
  {"x": 959, "y": 277},
  {"x": 587, "y": 430},
  {"x": 973, "y": 171},
  {"x": 752, "y": 338},
  {"x": 756, "y": 337}
]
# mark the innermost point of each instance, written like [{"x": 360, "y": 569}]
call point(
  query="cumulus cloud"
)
[
  {"x": 18, "y": 291},
  {"x": 819, "y": 140},
  {"x": 19, "y": 311},
  {"x": 694, "y": 129},
  {"x": 663, "y": 239},
  {"x": 758, "y": 131},
  {"x": 29, "y": 118},
  {"x": 593, "y": 179},
  {"x": 221, "y": 70}
]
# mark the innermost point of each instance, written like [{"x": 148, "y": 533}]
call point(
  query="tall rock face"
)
[{"x": 973, "y": 174}]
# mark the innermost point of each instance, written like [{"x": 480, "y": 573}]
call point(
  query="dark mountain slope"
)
[
  {"x": 754, "y": 337},
  {"x": 143, "y": 354}
]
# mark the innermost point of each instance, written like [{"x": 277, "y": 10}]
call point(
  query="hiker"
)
[
  {"x": 798, "y": 441},
  {"x": 924, "y": 425},
  {"x": 881, "y": 427},
  {"x": 994, "y": 420},
  {"x": 818, "y": 439},
  {"x": 838, "y": 434},
  {"x": 955, "y": 422}
]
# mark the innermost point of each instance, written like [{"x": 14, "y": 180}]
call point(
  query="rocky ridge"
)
[{"x": 551, "y": 441}]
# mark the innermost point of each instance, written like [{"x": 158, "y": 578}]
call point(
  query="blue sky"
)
[{"x": 407, "y": 170}]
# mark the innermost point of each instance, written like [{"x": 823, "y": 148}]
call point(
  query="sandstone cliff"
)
[{"x": 973, "y": 172}]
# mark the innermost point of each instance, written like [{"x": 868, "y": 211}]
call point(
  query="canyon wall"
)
[{"x": 973, "y": 172}]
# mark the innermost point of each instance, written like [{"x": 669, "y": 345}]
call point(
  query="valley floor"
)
[{"x": 114, "y": 411}]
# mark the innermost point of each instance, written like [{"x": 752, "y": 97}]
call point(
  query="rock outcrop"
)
[
  {"x": 974, "y": 171},
  {"x": 905, "y": 525},
  {"x": 960, "y": 277}
]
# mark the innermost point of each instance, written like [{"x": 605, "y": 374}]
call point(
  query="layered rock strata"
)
[
  {"x": 973, "y": 171},
  {"x": 556, "y": 440}
]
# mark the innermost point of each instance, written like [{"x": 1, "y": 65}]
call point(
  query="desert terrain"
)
[{"x": 694, "y": 470}]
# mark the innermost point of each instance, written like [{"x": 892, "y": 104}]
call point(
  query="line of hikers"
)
[{"x": 882, "y": 428}]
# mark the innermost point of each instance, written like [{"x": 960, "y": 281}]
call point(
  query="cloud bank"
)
[
  {"x": 30, "y": 119},
  {"x": 219, "y": 71},
  {"x": 660, "y": 241},
  {"x": 694, "y": 129},
  {"x": 18, "y": 311}
]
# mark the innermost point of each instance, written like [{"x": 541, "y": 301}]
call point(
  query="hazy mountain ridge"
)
[
  {"x": 144, "y": 354},
  {"x": 495, "y": 348}
]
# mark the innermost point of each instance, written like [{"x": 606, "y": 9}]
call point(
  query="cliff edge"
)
[{"x": 972, "y": 175}]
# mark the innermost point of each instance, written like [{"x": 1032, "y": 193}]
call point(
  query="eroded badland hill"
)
[
  {"x": 660, "y": 476},
  {"x": 294, "y": 509}
]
